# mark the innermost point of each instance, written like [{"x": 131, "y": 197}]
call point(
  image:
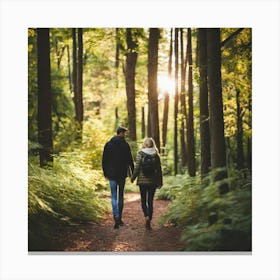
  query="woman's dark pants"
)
[{"x": 147, "y": 198}]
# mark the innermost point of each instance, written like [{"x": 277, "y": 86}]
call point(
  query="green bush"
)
[
  {"x": 69, "y": 192},
  {"x": 211, "y": 221}
]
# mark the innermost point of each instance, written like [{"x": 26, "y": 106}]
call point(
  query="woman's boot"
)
[
  {"x": 148, "y": 222},
  {"x": 117, "y": 222}
]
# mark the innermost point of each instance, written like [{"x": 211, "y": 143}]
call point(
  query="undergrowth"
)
[
  {"x": 210, "y": 221},
  {"x": 68, "y": 193}
]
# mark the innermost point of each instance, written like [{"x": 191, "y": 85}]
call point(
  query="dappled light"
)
[{"x": 189, "y": 89}]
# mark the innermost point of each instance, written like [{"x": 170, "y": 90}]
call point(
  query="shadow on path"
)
[{"x": 132, "y": 237}]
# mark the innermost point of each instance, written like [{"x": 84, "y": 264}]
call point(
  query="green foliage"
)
[
  {"x": 70, "y": 192},
  {"x": 196, "y": 203}
]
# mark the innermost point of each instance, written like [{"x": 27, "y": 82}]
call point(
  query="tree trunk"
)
[
  {"x": 143, "y": 126},
  {"x": 249, "y": 139},
  {"x": 117, "y": 62},
  {"x": 166, "y": 94},
  {"x": 69, "y": 70},
  {"x": 239, "y": 137},
  {"x": 190, "y": 126},
  {"x": 117, "y": 119},
  {"x": 176, "y": 105},
  {"x": 74, "y": 74},
  {"x": 249, "y": 153},
  {"x": 183, "y": 109},
  {"x": 152, "y": 84},
  {"x": 203, "y": 103},
  {"x": 79, "y": 99},
  {"x": 218, "y": 151},
  {"x": 44, "y": 97},
  {"x": 131, "y": 58},
  {"x": 165, "y": 119}
]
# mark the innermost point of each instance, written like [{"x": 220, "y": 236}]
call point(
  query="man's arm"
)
[{"x": 105, "y": 159}]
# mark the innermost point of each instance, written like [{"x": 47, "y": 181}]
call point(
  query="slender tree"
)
[
  {"x": 183, "y": 109},
  {"x": 44, "y": 97},
  {"x": 80, "y": 76},
  {"x": 190, "y": 125},
  {"x": 239, "y": 136},
  {"x": 77, "y": 74},
  {"x": 249, "y": 139},
  {"x": 131, "y": 59},
  {"x": 176, "y": 103},
  {"x": 74, "y": 73},
  {"x": 69, "y": 69},
  {"x": 143, "y": 126},
  {"x": 152, "y": 84},
  {"x": 203, "y": 103},
  {"x": 166, "y": 94},
  {"x": 117, "y": 59},
  {"x": 218, "y": 151}
]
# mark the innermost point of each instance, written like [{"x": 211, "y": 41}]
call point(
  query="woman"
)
[{"x": 149, "y": 173}]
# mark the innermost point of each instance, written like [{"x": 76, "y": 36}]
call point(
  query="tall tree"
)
[
  {"x": 190, "y": 125},
  {"x": 152, "y": 84},
  {"x": 143, "y": 126},
  {"x": 249, "y": 139},
  {"x": 79, "y": 97},
  {"x": 131, "y": 59},
  {"x": 176, "y": 49},
  {"x": 203, "y": 103},
  {"x": 239, "y": 135},
  {"x": 183, "y": 109},
  {"x": 166, "y": 94},
  {"x": 77, "y": 38},
  {"x": 69, "y": 69},
  {"x": 74, "y": 60},
  {"x": 44, "y": 97},
  {"x": 117, "y": 59},
  {"x": 218, "y": 151}
]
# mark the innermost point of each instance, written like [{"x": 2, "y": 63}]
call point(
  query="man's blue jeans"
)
[{"x": 117, "y": 188}]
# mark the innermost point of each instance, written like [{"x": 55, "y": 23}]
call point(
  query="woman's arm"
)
[{"x": 136, "y": 170}]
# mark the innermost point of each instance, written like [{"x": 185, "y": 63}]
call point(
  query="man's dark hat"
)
[{"x": 121, "y": 129}]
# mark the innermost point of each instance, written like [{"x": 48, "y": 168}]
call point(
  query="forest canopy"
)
[{"x": 190, "y": 89}]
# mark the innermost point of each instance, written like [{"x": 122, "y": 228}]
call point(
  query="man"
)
[{"x": 116, "y": 162}]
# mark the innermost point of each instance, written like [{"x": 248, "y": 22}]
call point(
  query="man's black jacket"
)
[{"x": 117, "y": 159}]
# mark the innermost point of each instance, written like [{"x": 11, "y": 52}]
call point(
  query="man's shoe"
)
[{"x": 121, "y": 223}]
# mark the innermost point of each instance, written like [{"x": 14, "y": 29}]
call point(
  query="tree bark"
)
[
  {"x": 131, "y": 58},
  {"x": 117, "y": 61},
  {"x": 79, "y": 97},
  {"x": 44, "y": 97},
  {"x": 239, "y": 137},
  {"x": 152, "y": 84},
  {"x": 183, "y": 110},
  {"x": 190, "y": 125},
  {"x": 176, "y": 104},
  {"x": 74, "y": 74},
  {"x": 143, "y": 126},
  {"x": 218, "y": 151},
  {"x": 166, "y": 95},
  {"x": 203, "y": 103},
  {"x": 69, "y": 70},
  {"x": 249, "y": 139}
]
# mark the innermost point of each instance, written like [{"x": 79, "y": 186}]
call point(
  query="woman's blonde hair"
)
[{"x": 149, "y": 143}]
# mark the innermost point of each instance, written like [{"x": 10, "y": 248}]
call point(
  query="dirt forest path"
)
[{"x": 132, "y": 237}]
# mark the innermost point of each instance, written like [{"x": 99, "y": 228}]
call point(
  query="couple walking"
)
[{"x": 117, "y": 161}]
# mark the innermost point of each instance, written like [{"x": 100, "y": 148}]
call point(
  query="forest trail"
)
[{"x": 132, "y": 237}]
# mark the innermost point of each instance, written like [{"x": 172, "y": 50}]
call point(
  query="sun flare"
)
[{"x": 165, "y": 84}]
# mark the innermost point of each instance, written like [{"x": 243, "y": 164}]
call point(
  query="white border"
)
[{"x": 17, "y": 16}]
